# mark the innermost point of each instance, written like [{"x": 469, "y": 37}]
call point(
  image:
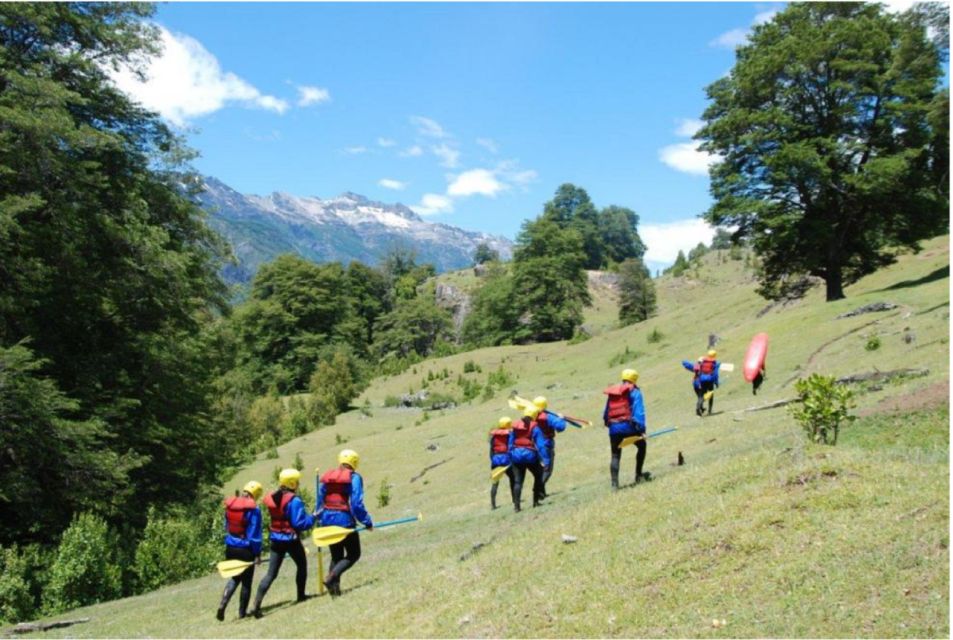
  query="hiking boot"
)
[
  {"x": 516, "y": 507},
  {"x": 304, "y": 597},
  {"x": 644, "y": 477},
  {"x": 257, "y": 613},
  {"x": 220, "y": 614}
]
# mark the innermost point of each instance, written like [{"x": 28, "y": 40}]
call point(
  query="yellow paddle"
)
[
  {"x": 498, "y": 472},
  {"x": 232, "y": 568},
  {"x": 521, "y": 404},
  {"x": 633, "y": 439},
  {"x": 326, "y": 536}
]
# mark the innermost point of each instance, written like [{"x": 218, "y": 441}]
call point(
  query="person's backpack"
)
[{"x": 620, "y": 408}]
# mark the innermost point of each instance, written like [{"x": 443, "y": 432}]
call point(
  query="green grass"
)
[{"x": 780, "y": 537}]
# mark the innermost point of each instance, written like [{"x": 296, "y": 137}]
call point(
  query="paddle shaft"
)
[{"x": 317, "y": 490}]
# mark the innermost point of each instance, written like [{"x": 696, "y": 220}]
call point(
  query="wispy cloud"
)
[
  {"x": 449, "y": 157},
  {"x": 664, "y": 241},
  {"x": 389, "y": 183},
  {"x": 475, "y": 182},
  {"x": 489, "y": 144},
  {"x": 386, "y": 142},
  {"x": 412, "y": 152},
  {"x": 312, "y": 95},
  {"x": 432, "y": 204},
  {"x": 185, "y": 81},
  {"x": 355, "y": 150},
  {"x": 736, "y": 37},
  {"x": 686, "y": 156},
  {"x": 428, "y": 127}
]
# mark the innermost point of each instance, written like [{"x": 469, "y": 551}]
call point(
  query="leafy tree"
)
[
  {"x": 618, "y": 228},
  {"x": 571, "y": 208},
  {"x": 722, "y": 239},
  {"x": 484, "y": 253},
  {"x": 414, "y": 327},
  {"x": 829, "y": 156},
  {"x": 494, "y": 316},
  {"x": 637, "y": 300},
  {"x": 695, "y": 254},
  {"x": 85, "y": 570},
  {"x": 549, "y": 279},
  {"x": 680, "y": 266},
  {"x": 368, "y": 291}
]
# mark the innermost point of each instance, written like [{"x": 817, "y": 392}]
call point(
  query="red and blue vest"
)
[
  {"x": 707, "y": 366},
  {"x": 620, "y": 409},
  {"x": 542, "y": 421},
  {"x": 500, "y": 439},
  {"x": 235, "y": 510},
  {"x": 337, "y": 489},
  {"x": 523, "y": 435},
  {"x": 279, "y": 521}
]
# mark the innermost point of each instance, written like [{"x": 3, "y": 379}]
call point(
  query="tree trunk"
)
[{"x": 835, "y": 281}]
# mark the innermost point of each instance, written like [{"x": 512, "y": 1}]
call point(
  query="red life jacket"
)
[
  {"x": 542, "y": 421},
  {"x": 337, "y": 489},
  {"x": 706, "y": 366},
  {"x": 279, "y": 521},
  {"x": 620, "y": 410},
  {"x": 500, "y": 439},
  {"x": 523, "y": 435},
  {"x": 235, "y": 509}
]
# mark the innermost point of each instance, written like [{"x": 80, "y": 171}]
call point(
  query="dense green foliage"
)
[
  {"x": 824, "y": 406},
  {"x": 637, "y": 300},
  {"x": 483, "y": 253},
  {"x": 86, "y": 568},
  {"x": 833, "y": 142}
]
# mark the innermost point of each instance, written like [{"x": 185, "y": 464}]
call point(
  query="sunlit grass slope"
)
[{"x": 774, "y": 535}]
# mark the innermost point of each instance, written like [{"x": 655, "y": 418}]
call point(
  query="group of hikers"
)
[
  {"x": 516, "y": 447},
  {"x": 529, "y": 444},
  {"x": 339, "y": 503}
]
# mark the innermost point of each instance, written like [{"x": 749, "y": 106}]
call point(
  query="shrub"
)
[
  {"x": 824, "y": 406},
  {"x": 85, "y": 570},
  {"x": 174, "y": 547},
  {"x": 383, "y": 495},
  {"x": 471, "y": 367},
  {"x": 655, "y": 336},
  {"x": 298, "y": 462},
  {"x": 628, "y": 355},
  {"x": 499, "y": 378},
  {"x": 873, "y": 343},
  {"x": 16, "y": 601},
  {"x": 391, "y": 401}
]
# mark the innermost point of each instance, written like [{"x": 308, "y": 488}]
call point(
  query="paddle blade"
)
[
  {"x": 630, "y": 441},
  {"x": 498, "y": 472},
  {"x": 326, "y": 536},
  {"x": 709, "y": 394},
  {"x": 514, "y": 404},
  {"x": 727, "y": 366},
  {"x": 232, "y": 568}
]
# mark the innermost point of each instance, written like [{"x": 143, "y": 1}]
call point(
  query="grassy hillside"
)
[{"x": 777, "y": 536}]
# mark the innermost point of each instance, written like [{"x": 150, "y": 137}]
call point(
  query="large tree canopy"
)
[{"x": 831, "y": 141}]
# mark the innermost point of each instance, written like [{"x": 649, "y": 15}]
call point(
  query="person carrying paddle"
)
[
  {"x": 528, "y": 451},
  {"x": 708, "y": 377},
  {"x": 549, "y": 424},
  {"x": 695, "y": 368},
  {"x": 500, "y": 455},
  {"x": 242, "y": 542},
  {"x": 341, "y": 504},
  {"x": 624, "y": 415},
  {"x": 289, "y": 518}
]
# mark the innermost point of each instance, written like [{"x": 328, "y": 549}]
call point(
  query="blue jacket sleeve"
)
[
  {"x": 557, "y": 423},
  {"x": 509, "y": 441},
  {"x": 715, "y": 376},
  {"x": 319, "y": 501},
  {"x": 253, "y": 531},
  {"x": 357, "y": 501},
  {"x": 605, "y": 414},
  {"x": 540, "y": 441},
  {"x": 689, "y": 365},
  {"x": 638, "y": 407},
  {"x": 298, "y": 516}
]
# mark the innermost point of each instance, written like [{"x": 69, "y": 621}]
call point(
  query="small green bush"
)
[
  {"x": 471, "y": 367},
  {"x": 391, "y": 401},
  {"x": 174, "y": 547},
  {"x": 298, "y": 462},
  {"x": 873, "y": 343},
  {"x": 824, "y": 406},
  {"x": 383, "y": 495},
  {"x": 16, "y": 601},
  {"x": 655, "y": 336},
  {"x": 499, "y": 378},
  {"x": 628, "y": 355},
  {"x": 85, "y": 570}
]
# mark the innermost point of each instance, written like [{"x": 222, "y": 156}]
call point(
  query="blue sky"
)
[{"x": 472, "y": 114}]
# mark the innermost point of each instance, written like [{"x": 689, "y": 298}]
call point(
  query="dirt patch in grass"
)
[{"x": 929, "y": 397}]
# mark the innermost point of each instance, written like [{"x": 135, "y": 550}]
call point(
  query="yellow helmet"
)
[
  {"x": 349, "y": 457},
  {"x": 531, "y": 412},
  {"x": 630, "y": 375},
  {"x": 504, "y": 422},
  {"x": 253, "y": 488},
  {"x": 540, "y": 402},
  {"x": 712, "y": 353},
  {"x": 289, "y": 478}
]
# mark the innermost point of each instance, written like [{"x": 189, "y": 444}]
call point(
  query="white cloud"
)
[
  {"x": 312, "y": 95},
  {"x": 739, "y": 36},
  {"x": 897, "y": 6},
  {"x": 412, "y": 152},
  {"x": 687, "y": 127},
  {"x": 489, "y": 144},
  {"x": 433, "y": 203},
  {"x": 449, "y": 157},
  {"x": 389, "y": 183},
  {"x": 664, "y": 241},
  {"x": 185, "y": 81},
  {"x": 356, "y": 150},
  {"x": 386, "y": 142},
  {"x": 428, "y": 127},
  {"x": 475, "y": 182},
  {"x": 685, "y": 157}
]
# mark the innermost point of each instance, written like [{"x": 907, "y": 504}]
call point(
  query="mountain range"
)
[{"x": 348, "y": 227}]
